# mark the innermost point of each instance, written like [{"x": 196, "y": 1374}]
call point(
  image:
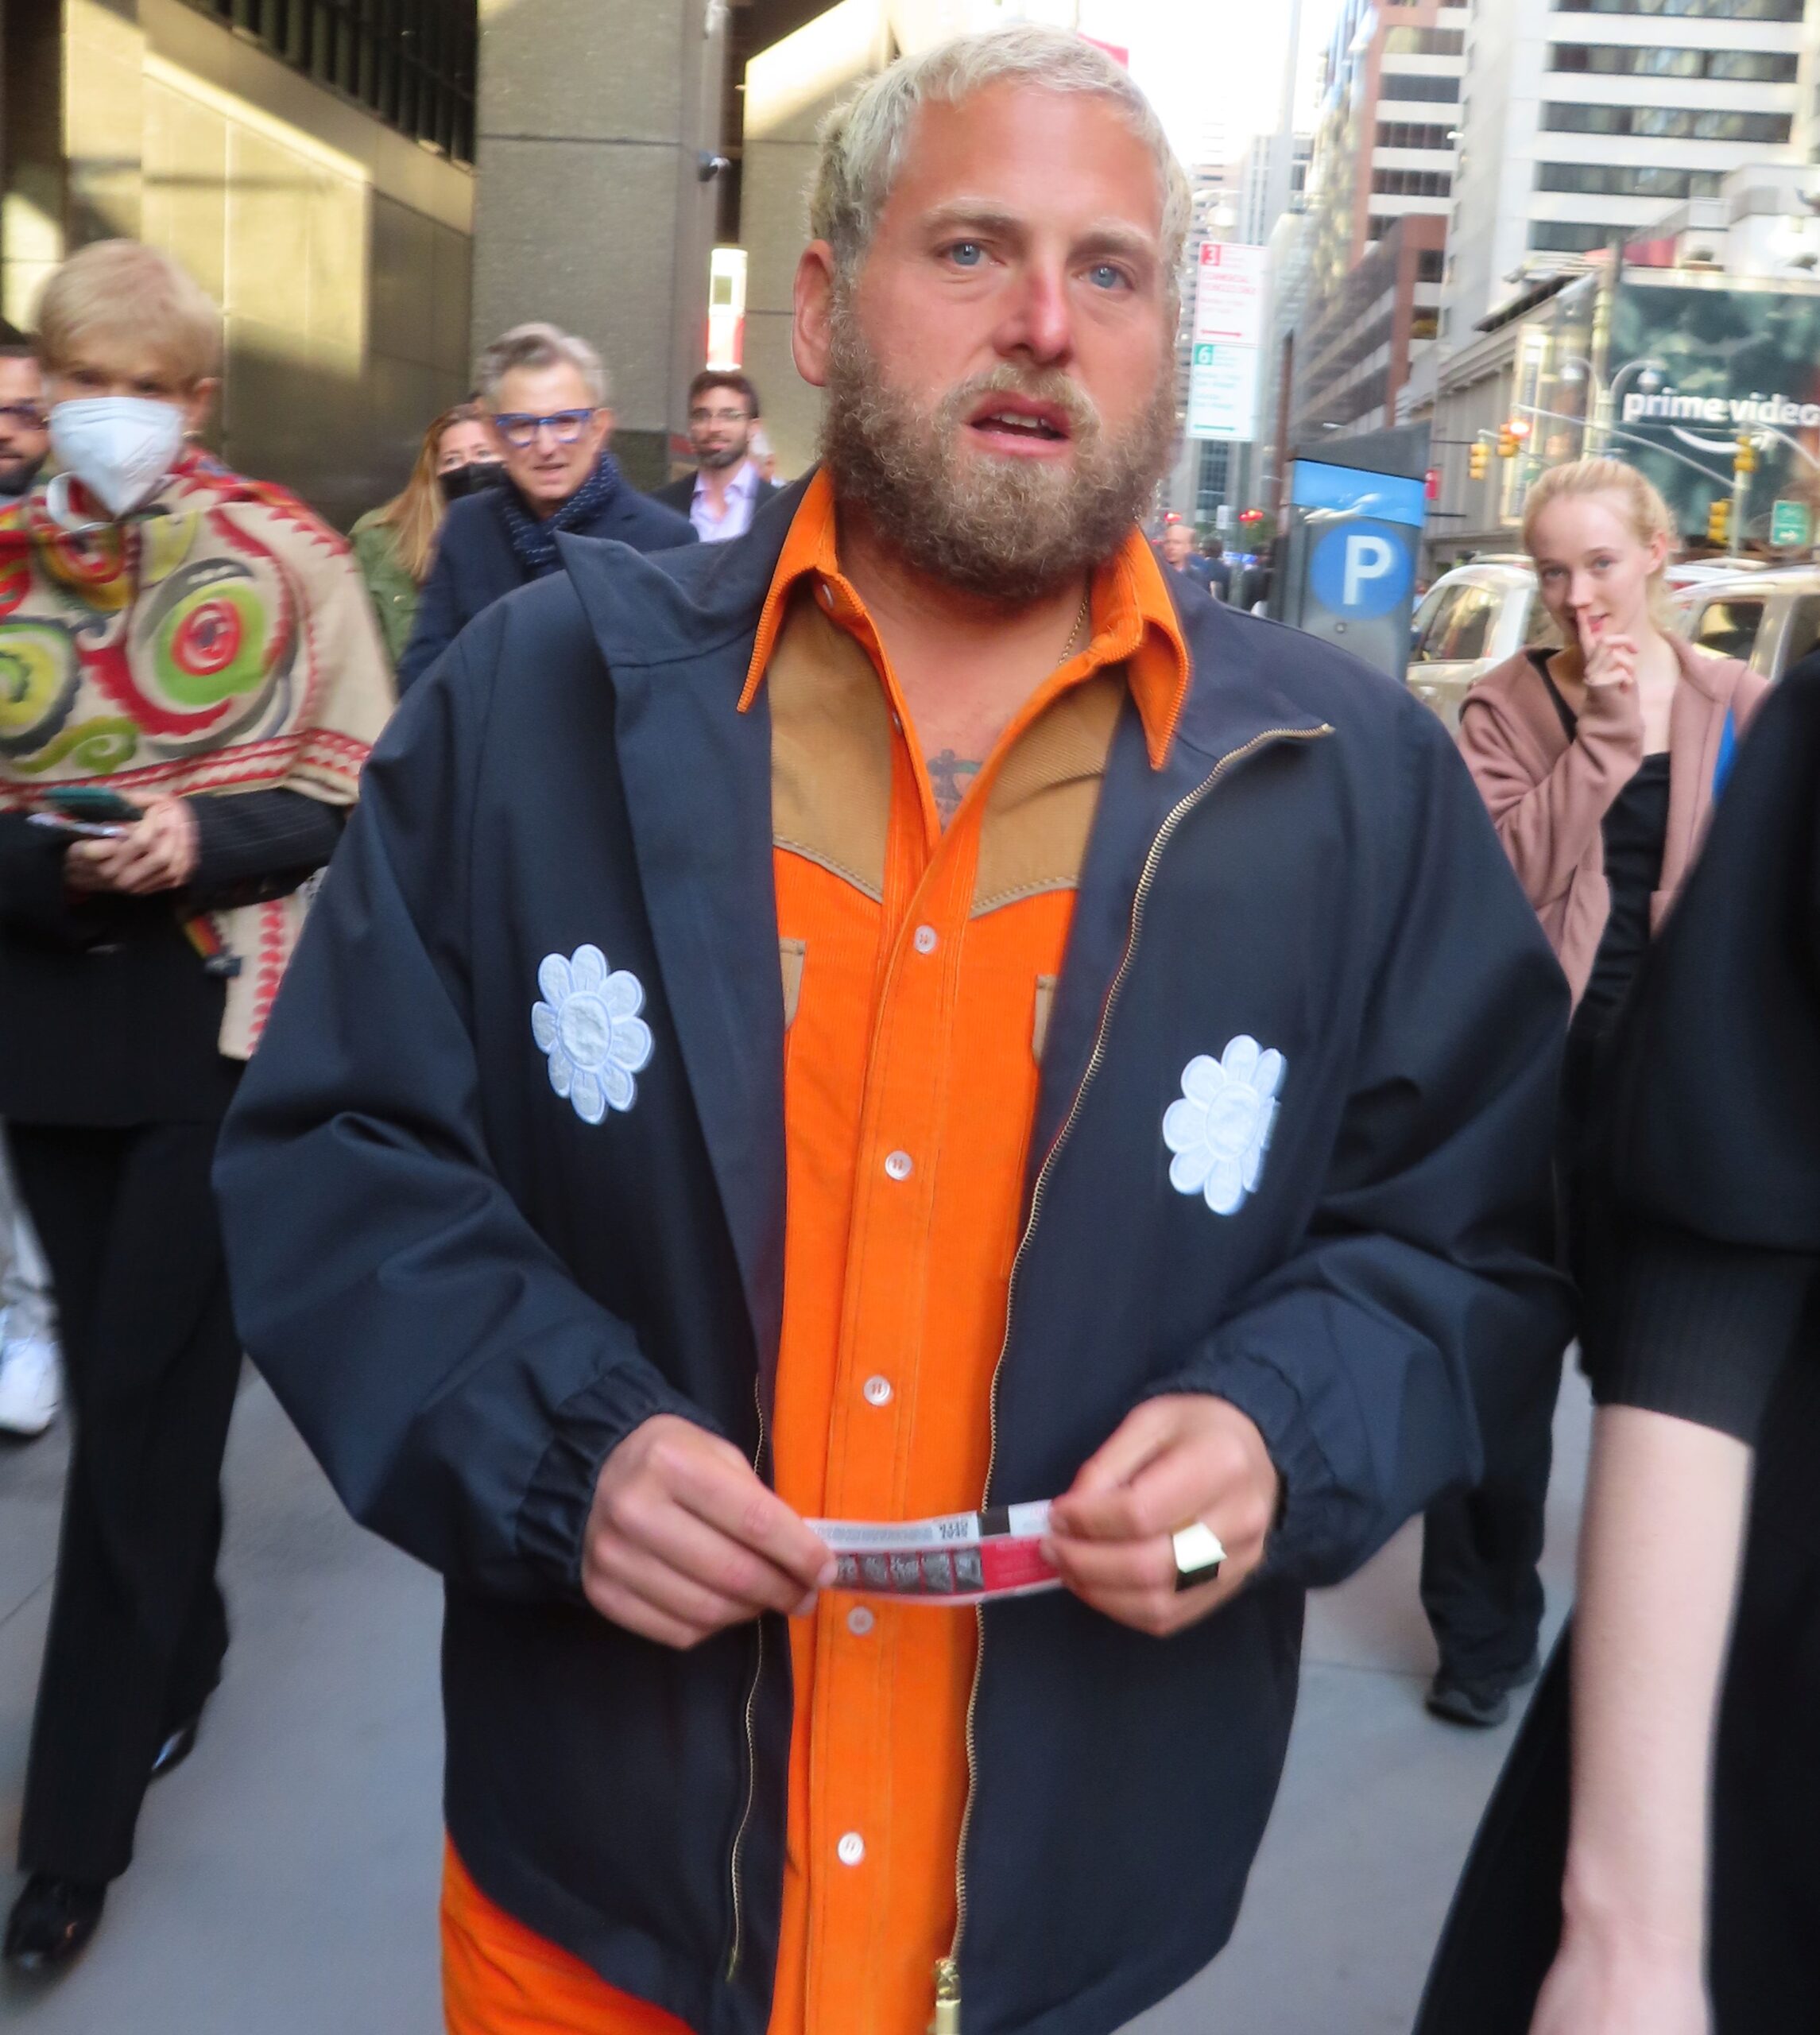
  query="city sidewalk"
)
[{"x": 286, "y": 1880}]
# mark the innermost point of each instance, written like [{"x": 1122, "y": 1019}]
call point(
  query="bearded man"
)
[{"x": 893, "y": 1018}]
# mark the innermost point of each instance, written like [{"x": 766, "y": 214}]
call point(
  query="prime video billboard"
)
[{"x": 1729, "y": 361}]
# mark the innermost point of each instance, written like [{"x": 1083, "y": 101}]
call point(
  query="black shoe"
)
[
  {"x": 51, "y": 1921},
  {"x": 1481, "y": 1704},
  {"x": 176, "y": 1748}
]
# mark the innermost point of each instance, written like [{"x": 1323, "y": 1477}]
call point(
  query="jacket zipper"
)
[
  {"x": 733, "y": 1955},
  {"x": 948, "y": 2021}
]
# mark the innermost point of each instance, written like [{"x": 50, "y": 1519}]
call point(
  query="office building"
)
[{"x": 1583, "y": 119}]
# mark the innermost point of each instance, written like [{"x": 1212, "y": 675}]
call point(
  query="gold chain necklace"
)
[{"x": 1082, "y": 614}]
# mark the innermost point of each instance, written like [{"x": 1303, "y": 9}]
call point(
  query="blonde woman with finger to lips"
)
[{"x": 1599, "y": 760}]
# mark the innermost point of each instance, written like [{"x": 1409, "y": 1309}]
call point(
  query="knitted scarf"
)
[
  {"x": 218, "y": 640},
  {"x": 534, "y": 537}
]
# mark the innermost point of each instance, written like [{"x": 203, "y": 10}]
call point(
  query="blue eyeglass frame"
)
[{"x": 520, "y": 428}]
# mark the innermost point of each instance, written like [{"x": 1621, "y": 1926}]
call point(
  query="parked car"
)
[
  {"x": 1473, "y": 618},
  {"x": 1770, "y": 616}
]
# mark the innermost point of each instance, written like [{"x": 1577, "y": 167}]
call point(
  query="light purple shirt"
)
[{"x": 742, "y": 499}]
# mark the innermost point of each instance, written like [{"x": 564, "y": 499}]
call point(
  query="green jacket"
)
[{"x": 393, "y": 590}]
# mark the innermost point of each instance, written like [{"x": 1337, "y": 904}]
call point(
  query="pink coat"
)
[{"x": 1548, "y": 796}]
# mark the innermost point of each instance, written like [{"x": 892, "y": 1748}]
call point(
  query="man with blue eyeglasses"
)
[{"x": 544, "y": 392}]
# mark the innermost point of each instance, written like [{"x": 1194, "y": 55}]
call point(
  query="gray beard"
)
[{"x": 1010, "y": 529}]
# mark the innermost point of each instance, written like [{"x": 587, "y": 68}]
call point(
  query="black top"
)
[
  {"x": 1708, "y": 1160},
  {"x": 1635, "y": 831},
  {"x": 476, "y": 563},
  {"x": 108, "y": 1015}
]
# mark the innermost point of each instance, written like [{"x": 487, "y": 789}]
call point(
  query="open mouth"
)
[{"x": 1020, "y": 424}]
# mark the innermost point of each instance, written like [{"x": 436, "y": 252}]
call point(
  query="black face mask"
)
[{"x": 470, "y": 478}]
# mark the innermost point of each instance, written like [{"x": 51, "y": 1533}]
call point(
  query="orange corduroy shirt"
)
[{"x": 917, "y": 967}]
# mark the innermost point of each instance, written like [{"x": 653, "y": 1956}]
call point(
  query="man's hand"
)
[
  {"x": 684, "y": 1539},
  {"x": 1173, "y": 1461},
  {"x": 157, "y": 852}
]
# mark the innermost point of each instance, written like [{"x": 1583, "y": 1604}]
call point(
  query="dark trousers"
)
[
  {"x": 1505, "y": 1926},
  {"x": 1480, "y": 1586},
  {"x": 138, "y": 1627}
]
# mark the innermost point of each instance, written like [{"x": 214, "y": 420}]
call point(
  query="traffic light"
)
[
  {"x": 1719, "y": 522},
  {"x": 1743, "y": 459},
  {"x": 1478, "y": 460},
  {"x": 1506, "y": 442}
]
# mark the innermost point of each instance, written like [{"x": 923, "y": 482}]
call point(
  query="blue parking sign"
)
[{"x": 1362, "y": 569}]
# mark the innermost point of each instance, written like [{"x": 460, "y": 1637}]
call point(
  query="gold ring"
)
[{"x": 1199, "y": 1556}]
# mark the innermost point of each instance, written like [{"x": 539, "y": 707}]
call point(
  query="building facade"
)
[
  {"x": 311, "y": 171},
  {"x": 1380, "y": 192},
  {"x": 1583, "y": 119}
]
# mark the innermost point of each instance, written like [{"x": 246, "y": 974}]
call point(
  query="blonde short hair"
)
[
  {"x": 863, "y": 142},
  {"x": 1649, "y": 515},
  {"x": 124, "y": 289}
]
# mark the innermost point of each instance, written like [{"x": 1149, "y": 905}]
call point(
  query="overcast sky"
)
[{"x": 1212, "y": 62}]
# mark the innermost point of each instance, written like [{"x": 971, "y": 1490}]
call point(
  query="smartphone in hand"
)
[{"x": 92, "y": 802}]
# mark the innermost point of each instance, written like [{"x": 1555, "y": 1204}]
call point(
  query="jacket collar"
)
[{"x": 676, "y": 629}]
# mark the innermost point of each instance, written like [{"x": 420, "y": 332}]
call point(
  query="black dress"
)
[{"x": 1702, "y": 1177}]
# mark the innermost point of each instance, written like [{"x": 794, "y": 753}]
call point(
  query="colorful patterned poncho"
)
[{"x": 218, "y": 640}]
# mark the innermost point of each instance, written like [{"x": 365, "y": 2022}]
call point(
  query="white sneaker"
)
[{"x": 30, "y": 1386}]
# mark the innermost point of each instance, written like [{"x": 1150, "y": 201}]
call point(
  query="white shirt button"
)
[
  {"x": 825, "y": 594},
  {"x": 877, "y": 1391},
  {"x": 926, "y": 940},
  {"x": 851, "y": 1848},
  {"x": 900, "y": 1166},
  {"x": 859, "y": 1621}
]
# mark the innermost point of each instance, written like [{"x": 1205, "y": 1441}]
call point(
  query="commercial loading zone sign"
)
[{"x": 1229, "y": 324}]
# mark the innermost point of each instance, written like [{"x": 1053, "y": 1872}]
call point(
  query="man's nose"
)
[{"x": 1038, "y": 321}]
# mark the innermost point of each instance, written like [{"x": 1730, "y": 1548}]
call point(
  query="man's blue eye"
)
[
  {"x": 1104, "y": 276},
  {"x": 969, "y": 253}
]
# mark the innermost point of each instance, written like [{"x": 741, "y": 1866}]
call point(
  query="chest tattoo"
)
[{"x": 949, "y": 776}]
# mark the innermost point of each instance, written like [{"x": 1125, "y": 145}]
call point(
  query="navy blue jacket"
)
[
  {"x": 466, "y": 1294},
  {"x": 475, "y": 562}
]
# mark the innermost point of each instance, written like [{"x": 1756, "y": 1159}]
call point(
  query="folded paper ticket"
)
[{"x": 962, "y": 1559}]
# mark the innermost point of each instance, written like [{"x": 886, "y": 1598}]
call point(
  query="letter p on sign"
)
[{"x": 1369, "y": 557}]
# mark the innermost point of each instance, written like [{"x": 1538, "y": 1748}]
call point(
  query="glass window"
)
[
  {"x": 1627, "y": 180},
  {"x": 1411, "y": 85},
  {"x": 1430, "y": 626},
  {"x": 412, "y": 62},
  {"x": 1729, "y": 627},
  {"x": 1425, "y": 42},
  {"x": 1469, "y": 627},
  {"x": 1569, "y": 236},
  {"x": 1802, "y": 639},
  {"x": 1624, "y": 59},
  {"x": 1728, "y": 10}
]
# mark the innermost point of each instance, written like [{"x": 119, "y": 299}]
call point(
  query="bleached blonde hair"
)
[
  {"x": 863, "y": 142},
  {"x": 121, "y": 288}
]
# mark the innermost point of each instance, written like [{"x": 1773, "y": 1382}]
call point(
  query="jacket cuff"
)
[
  {"x": 1268, "y": 1398},
  {"x": 1679, "y": 1324},
  {"x": 553, "y": 1520},
  {"x": 34, "y": 896}
]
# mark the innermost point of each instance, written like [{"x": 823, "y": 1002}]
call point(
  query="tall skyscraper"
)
[{"x": 1583, "y": 119}]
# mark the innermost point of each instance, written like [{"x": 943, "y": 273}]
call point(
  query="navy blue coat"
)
[
  {"x": 466, "y": 1294},
  {"x": 475, "y": 562}
]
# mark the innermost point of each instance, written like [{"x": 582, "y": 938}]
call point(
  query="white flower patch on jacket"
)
[
  {"x": 587, "y": 1023},
  {"x": 1220, "y": 1130}
]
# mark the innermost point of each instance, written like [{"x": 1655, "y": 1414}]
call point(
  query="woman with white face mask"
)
[{"x": 190, "y": 679}]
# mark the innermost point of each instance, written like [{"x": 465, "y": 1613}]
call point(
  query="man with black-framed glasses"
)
[
  {"x": 545, "y": 396},
  {"x": 25, "y": 433}
]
